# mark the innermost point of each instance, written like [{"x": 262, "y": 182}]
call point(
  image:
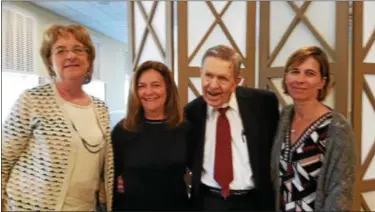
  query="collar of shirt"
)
[{"x": 232, "y": 104}]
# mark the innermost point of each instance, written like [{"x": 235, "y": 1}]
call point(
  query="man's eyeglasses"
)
[{"x": 79, "y": 51}]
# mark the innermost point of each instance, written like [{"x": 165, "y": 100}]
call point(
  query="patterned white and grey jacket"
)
[{"x": 38, "y": 153}]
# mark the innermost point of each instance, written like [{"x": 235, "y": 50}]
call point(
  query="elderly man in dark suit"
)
[{"x": 231, "y": 138}]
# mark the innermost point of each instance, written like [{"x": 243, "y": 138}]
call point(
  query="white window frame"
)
[{"x": 26, "y": 14}]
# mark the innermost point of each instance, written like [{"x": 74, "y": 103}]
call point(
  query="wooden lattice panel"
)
[
  {"x": 364, "y": 102},
  {"x": 151, "y": 29},
  {"x": 324, "y": 24},
  {"x": 219, "y": 23}
]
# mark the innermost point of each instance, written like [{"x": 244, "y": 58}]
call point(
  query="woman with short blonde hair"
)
[{"x": 56, "y": 145}]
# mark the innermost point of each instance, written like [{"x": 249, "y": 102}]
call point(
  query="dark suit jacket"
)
[{"x": 260, "y": 114}]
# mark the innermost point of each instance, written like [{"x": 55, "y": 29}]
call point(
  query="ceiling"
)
[{"x": 107, "y": 17}]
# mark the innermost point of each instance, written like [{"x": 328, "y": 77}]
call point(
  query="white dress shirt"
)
[{"x": 242, "y": 173}]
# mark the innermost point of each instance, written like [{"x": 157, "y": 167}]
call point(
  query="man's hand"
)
[
  {"x": 120, "y": 185},
  {"x": 3, "y": 205}
]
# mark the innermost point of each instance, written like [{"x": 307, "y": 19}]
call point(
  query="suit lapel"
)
[
  {"x": 248, "y": 111},
  {"x": 202, "y": 116},
  {"x": 198, "y": 137}
]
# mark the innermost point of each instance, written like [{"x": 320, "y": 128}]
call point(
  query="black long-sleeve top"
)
[{"x": 152, "y": 163}]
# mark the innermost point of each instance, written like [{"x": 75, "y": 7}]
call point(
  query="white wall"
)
[{"x": 113, "y": 54}]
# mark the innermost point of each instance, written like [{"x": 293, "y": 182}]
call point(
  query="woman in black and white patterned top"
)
[
  {"x": 313, "y": 158},
  {"x": 56, "y": 146}
]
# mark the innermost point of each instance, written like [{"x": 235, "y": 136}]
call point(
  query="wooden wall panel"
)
[
  {"x": 364, "y": 93},
  {"x": 304, "y": 22},
  {"x": 186, "y": 71}
]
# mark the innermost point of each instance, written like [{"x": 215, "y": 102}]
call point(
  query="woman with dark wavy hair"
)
[{"x": 150, "y": 144}]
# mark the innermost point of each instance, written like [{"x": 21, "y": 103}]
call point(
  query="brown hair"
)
[
  {"x": 225, "y": 53},
  {"x": 300, "y": 56},
  {"x": 172, "y": 107},
  {"x": 54, "y": 32}
]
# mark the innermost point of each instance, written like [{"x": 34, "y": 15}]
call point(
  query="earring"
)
[
  {"x": 52, "y": 74},
  {"x": 87, "y": 77}
]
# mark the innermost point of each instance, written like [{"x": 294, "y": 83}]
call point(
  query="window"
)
[
  {"x": 18, "y": 56},
  {"x": 18, "y": 41},
  {"x": 95, "y": 88},
  {"x": 13, "y": 85},
  {"x": 96, "y": 74}
]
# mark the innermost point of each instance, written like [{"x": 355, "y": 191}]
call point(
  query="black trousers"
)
[
  {"x": 150, "y": 203},
  {"x": 210, "y": 200}
]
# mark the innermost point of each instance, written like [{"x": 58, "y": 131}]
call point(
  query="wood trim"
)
[
  {"x": 277, "y": 72},
  {"x": 144, "y": 36},
  {"x": 140, "y": 49},
  {"x": 369, "y": 44},
  {"x": 132, "y": 31},
  {"x": 341, "y": 65},
  {"x": 368, "y": 186},
  {"x": 193, "y": 88},
  {"x": 171, "y": 40},
  {"x": 368, "y": 68},
  {"x": 210, "y": 29},
  {"x": 339, "y": 53},
  {"x": 299, "y": 12},
  {"x": 182, "y": 21},
  {"x": 357, "y": 80},
  {"x": 264, "y": 44},
  {"x": 151, "y": 29},
  {"x": 136, "y": 52},
  {"x": 367, "y": 161},
  {"x": 364, "y": 203},
  {"x": 225, "y": 30},
  {"x": 278, "y": 94},
  {"x": 370, "y": 95},
  {"x": 186, "y": 71},
  {"x": 169, "y": 14},
  {"x": 315, "y": 32},
  {"x": 194, "y": 72},
  {"x": 341, "y": 58},
  {"x": 249, "y": 72}
]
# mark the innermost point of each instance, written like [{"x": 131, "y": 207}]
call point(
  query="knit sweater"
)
[
  {"x": 337, "y": 174},
  {"x": 38, "y": 152}
]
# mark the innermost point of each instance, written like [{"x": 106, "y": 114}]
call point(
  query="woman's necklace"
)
[{"x": 92, "y": 148}]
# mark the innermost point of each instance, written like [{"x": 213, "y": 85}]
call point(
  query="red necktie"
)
[{"x": 223, "y": 168}]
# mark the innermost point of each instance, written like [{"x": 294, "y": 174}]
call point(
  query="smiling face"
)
[
  {"x": 304, "y": 81},
  {"x": 218, "y": 81},
  {"x": 69, "y": 59},
  {"x": 152, "y": 92}
]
